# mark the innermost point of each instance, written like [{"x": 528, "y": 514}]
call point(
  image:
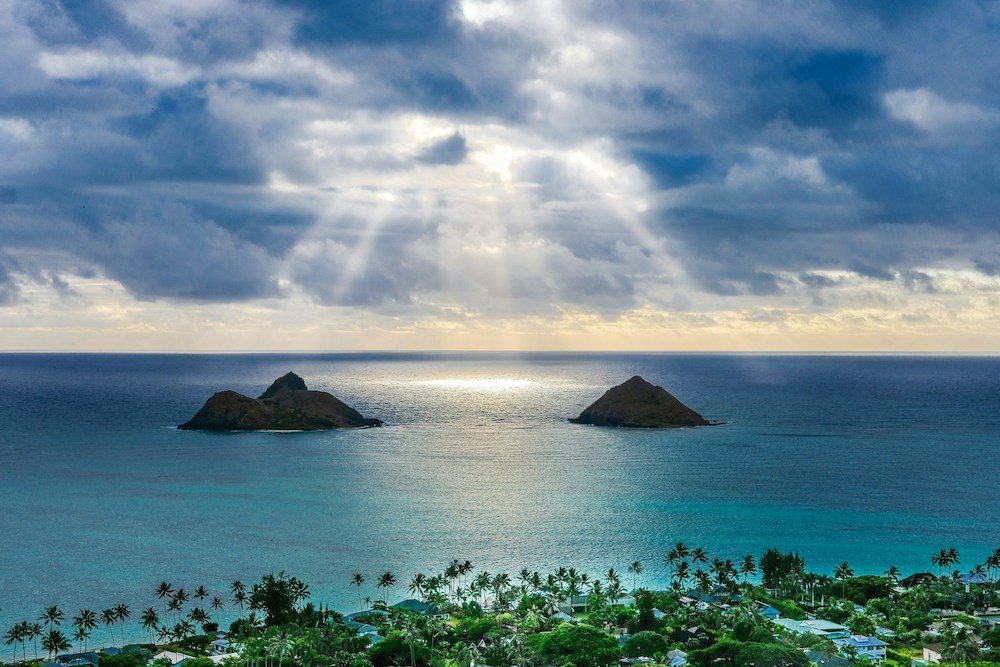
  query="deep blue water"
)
[{"x": 876, "y": 460}]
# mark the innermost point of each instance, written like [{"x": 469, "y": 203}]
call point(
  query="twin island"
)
[{"x": 288, "y": 405}]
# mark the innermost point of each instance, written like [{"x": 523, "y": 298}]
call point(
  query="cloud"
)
[
  {"x": 9, "y": 291},
  {"x": 451, "y": 150},
  {"x": 929, "y": 112},
  {"x": 500, "y": 158}
]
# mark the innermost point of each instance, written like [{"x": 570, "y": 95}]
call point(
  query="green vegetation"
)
[{"x": 711, "y": 614}]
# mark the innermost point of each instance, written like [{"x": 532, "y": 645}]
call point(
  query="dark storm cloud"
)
[
  {"x": 447, "y": 151},
  {"x": 374, "y": 21}
]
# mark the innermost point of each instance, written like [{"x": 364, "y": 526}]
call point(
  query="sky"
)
[{"x": 500, "y": 174}]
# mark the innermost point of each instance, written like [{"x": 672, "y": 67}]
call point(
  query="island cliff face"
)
[
  {"x": 639, "y": 404},
  {"x": 286, "y": 405}
]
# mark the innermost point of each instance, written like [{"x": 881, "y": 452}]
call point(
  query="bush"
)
[
  {"x": 474, "y": 629},
  {"x": 394, "y": 649},
  {"x": 730, "y": 653},
  {"x": 578, "y": 645},
  {"x": 645, "y": 644},
  {"x": 137, "y": 657},
  {"x": 862, "y": 589},
  {"x": 787, "y": 608}
]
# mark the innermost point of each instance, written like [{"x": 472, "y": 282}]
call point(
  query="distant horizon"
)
[{"x": 457, "y": 351}]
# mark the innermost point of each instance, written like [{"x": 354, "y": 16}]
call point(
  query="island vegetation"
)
[{"x": 760, "y": 612}]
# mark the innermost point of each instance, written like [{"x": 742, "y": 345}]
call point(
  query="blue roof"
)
[{"x": 860, "y": 641}]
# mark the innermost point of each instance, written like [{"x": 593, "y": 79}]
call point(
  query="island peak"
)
[
  {"x": 638, "y": 403},
  {"x": 289, "y": 381}
]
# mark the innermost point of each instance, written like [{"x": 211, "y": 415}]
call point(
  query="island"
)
[
  {"x": 637, "y": 403},
  {"x": 287, "y": 405}
]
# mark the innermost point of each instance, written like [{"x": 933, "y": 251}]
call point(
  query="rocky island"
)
[
  {"x": 287, "y": 405},
  {"x": 639, "y": 404}
]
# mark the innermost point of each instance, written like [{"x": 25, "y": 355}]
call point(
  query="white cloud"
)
[
  {"x": 930, "y": 112},
  {"x": 91, "y": 63}
]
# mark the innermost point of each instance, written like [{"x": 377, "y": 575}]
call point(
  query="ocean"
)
[{"x": 873, "y": 460}]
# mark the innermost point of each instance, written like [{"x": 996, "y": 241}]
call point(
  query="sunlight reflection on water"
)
[{"x": 478, "y": 384}]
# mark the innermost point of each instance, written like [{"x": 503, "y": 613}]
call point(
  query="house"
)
[
  {"x": 659, "y": 614},
  {"x": 989, "y": 619},
  {"x": 824, "y": 660},
  {"x": 978, "y": 578},
  {"x": 933, "y": 653},
  {"x": 88, "y": 659},
  {"x": 717, "y": 595},
  {"x": 767, "y": 611},
  {"x": 872, "y": 648},
  {"x": 111, "y": 651},
  {"x": 420, "y": 607},
  {"x": 677, "y": 658},
  {"x": 173, "y": 657},
  {"x": 814, "y": 626},
  {"x": 364, "y": 614},
  {"x": 562, "y": 617},
  {"x": 916, "y": 578},
  {"x": 220, "y": 646},
  {"x": 579, "y": 603}
]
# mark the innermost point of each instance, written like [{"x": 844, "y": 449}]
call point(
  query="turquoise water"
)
[{"x": 875, "y": 460}]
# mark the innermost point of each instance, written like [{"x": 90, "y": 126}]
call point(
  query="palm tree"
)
[
  {"x": 410, "y": 632},
  {"x": 198, "y": 615},
  {"x": 85, "y": 622},
  {"x": 944, "y": 559},
  {"x": 386, "y": 581},
  {"x": 466, "y": 567},
  {"x": 201, "y": 593},
  {"x": 843, "y": 572},
  {"x": 699, "y": 555},
  {"x": 681, "y": 575},
  {"x": 960, "y": 647},
  {"x": 682, "y": 550},
  {"x": 33, "y": 631},
  {"x": 356, "y": 580},
  {"x": 150, "y": 619},
  {"x": 704, "y": 581},
  {"x": 748, "y": 567},
  {"x": 184, "y": 629},
  {"x": 122, "y": 613},
  {"x": 670, "y": 560},
  {"x": 239, "y": 590},
  {"x": 892, "y": 574},
  {"x": 164, "y": 591},
  {"x": 635, "y": 569},
  {"x": 417, "y": 585},
  {"x": 52, "y": 616},
  {"x": 217, "y": 607},
  {"x": 181, "y": 597},
  {"x": 109, "y": 618},
  {"x": 80, "y": 636},
  {"x": 54, "y": 642},
  {"x": 13, "y": 636}
]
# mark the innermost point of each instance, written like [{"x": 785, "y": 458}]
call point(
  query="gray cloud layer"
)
[{"x": 512, "y": 157}]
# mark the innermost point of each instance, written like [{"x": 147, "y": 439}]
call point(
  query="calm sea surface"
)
[{"x": 874, "y": 460}]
